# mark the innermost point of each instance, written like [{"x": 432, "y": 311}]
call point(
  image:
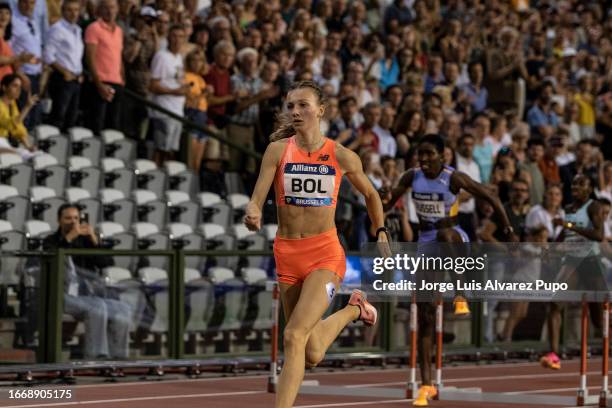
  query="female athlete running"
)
[
  {"x": 434, "y": 191},
  {"x": 306, "y": 168}
]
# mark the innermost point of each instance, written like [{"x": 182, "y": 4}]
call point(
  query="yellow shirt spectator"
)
[
  {"x": 196, "y": 98},
  {"x": 587, "y": 110},
  {"x": 11, "y": 123}
]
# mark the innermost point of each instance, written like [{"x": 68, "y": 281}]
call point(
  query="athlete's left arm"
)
[
  {"x": 597, "y": 232},
  {"x": 461, "y": 180},
  {"x": 353, "y": 169}
]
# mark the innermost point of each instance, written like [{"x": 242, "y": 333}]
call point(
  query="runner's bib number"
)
[
  {"x": 429, "y": 205},
  {"x": 309, "y": 185}
]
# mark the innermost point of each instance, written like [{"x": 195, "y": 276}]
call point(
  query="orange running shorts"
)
[{"x": 296, "y": 258}]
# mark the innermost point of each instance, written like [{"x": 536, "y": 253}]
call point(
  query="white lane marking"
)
[
  {"x": 160, "y": 397},
  {"x": 468, "y": 379},
  {"x": 352, "y": 404},
  {"x": 551, "y": 390},
  {"x": 264, "y": 376}
]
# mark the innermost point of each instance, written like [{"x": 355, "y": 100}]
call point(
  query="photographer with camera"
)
[{"x": 107, "y": 321}]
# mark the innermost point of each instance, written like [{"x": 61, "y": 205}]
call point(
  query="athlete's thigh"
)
[
  {"x": 289, "y": 295},
  {"x": 314, "y": 300}
]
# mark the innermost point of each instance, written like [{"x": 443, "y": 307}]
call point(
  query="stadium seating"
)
[{"x": 134, "y": 204}]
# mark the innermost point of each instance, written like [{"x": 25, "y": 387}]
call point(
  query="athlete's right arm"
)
[
  {"x": 269, "y": 163},
  {"x": 389, "y": 198}
]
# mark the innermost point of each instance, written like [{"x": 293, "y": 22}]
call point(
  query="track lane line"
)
[{"x": 160, "y": 397}]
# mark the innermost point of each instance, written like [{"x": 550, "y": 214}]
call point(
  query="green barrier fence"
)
[{"x": 49, "y": 348}]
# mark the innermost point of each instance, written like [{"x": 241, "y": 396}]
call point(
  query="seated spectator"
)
[
  {"x": 12, "y": 127},
  {"x": 107, "y": 321}
]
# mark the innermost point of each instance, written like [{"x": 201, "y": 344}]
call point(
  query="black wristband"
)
[{"x": 382, "y": 229}]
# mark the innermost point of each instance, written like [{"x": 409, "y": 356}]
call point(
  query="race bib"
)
[
  {"x": 309, "y": 185},
  {"x": 429, "y": 205}
]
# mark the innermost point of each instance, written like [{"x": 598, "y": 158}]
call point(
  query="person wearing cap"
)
[
  {"x": 140, "y": 47},
  {"x": 64, "y": 54}
]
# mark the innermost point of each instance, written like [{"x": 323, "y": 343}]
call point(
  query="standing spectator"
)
[
  {"x": 483, "y": 151},
  {"x": 9, "y": 62},
  {"x": 40, "y": 18},
  {"x": 586, "y": 102},
  {"x": 330, "y": 73},
  {"x": 367, "y": 138},
  {"x": 499, "y": 136},
  {"x": 344, "y": 129},
  {"x": 222, "y": 99},
  {"x": 541, "y": 118},
  {"x": 64, "y": 54},
  {"x": 475, "y": 93},
  {"x": 505, "y": 65},
  {"x": 169, "y": 90},
  {"x": 434, "y": 74},
  {"x": 586, "y": 163},
  {"x": 241, "y": 128},
  {"x": 388, "y": 66},
  {"x": 535, "y": 154},
  {"x": 387, "y": 146},
  {"x": 467, "y": 165},
  {"x": 162, "y": 28},
  {"x": 545, "y": 213},
  {"x": 103, "y": 51},
  {"x": 27, "y": 37},
  {"x": 269, "y": 108},
  {"x": 398, "y": 14},
  {"x": 351, "y": 51},
  {"x": 604, "y": 189},
  {"x": 548, "y": 163},
  {"x": 196, "y": 106},
  {"x": 140, "y": 47}
]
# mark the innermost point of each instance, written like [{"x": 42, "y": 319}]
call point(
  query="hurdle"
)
[{"x": 453, "y": 393}]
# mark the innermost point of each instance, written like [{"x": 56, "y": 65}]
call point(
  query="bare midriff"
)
[{"x": 303, "y": 222}]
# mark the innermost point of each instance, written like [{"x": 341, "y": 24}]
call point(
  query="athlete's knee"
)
[
  {"x": 294, "y": 337},
  {"x": 314, "y": 356}
]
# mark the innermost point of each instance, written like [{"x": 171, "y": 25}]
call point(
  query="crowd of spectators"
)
[{"x": 521, "y": 91}]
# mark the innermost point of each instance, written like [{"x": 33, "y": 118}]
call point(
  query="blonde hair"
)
[{"x": 284, "y": 121}]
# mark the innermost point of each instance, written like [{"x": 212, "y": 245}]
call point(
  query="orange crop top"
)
[{"x": 308, "y": 180}]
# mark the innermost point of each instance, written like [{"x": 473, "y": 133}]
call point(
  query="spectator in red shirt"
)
[{"x": 218, "y": 77}]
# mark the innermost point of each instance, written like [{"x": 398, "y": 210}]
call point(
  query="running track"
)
[{"x": 249, "y": 391}]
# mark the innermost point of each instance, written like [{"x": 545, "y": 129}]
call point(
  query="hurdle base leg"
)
[
  {"x": 603, "y": 399},
  {"x": 272, "y": 385},
  {"x": 438, "y": 387},
  {"x": 580, "y": 398},
  {"x": 412, "y": 390}
]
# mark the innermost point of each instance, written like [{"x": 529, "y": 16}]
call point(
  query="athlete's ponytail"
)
[
  {"x": 284, "y": 121},
  {"x": 284, "y": 127}
]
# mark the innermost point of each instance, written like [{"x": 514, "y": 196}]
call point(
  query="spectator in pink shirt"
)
[{"x": 103, "y": 50}]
